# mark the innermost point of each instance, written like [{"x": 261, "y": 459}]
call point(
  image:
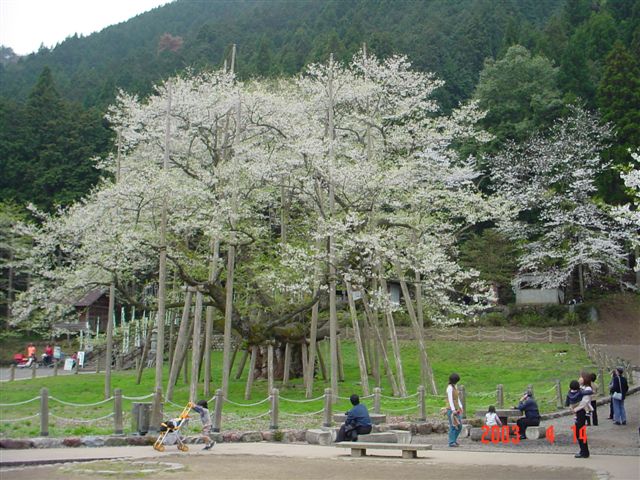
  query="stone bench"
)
[
  {"x": 376, "y": 418},
  {"x": 359, "y": 449}
]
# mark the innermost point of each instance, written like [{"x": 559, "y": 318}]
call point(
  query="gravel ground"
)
[{"x": 605, "y": 439}]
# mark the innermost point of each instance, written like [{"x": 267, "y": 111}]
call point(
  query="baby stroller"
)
[{"x": 170, "y": 431}]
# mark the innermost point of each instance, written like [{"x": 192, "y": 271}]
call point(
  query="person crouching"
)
[{"x": 357, "y": 423}]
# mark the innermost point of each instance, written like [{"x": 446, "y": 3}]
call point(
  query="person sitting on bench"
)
[
  {"x": 357, "y": 423},
  {"x": 531, "y": 418}
]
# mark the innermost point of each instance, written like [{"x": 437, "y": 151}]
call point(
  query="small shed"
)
[
  {"x": 527, "y": 294},
  {"x": 92, "y": 310}
]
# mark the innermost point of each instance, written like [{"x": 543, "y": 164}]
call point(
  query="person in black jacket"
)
[
  {"x": 619, "y": 388},
  {"x": 357, "y": 422},
  {"x": 531, "y": 418}
]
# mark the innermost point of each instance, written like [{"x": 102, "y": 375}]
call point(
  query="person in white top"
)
[
  {"x": 454, "y": 410},
  {"x": 492, "y": 418}
]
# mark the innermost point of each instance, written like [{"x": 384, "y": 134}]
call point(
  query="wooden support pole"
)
[
  {"x": 44, "y": 412},
  {"x": 287, "y": 364},
  {"x": 250, "y": 375},
  {"x": 328, "y": 406},
  {"x": 243, "y": 362},
  {"x": 156, "y": 411},
  {"x": 275, "y": 399},
  {"x": 422, "y": 402},
  {"x": 195, "y": 350},
  {"x": 270, "y": 366},
  {"x": 217, "y": 414},
  {"x": 117, "y": 412},
  {"x": 323, "y": 368},
  {"x": 559, "y": 401}
]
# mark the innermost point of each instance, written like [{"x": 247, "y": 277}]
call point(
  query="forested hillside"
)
[{"x": 279, "y": 37}]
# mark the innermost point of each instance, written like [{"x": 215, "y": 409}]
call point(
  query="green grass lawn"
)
[{"x": 481, "y": 365}]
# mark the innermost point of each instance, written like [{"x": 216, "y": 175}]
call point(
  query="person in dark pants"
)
[
  {"x": 531, "y": 418},
  {"x": 581, "y": 411},
  {"x": 357, "y": 423}
]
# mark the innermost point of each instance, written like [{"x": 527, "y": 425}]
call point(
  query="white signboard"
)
[
  {"x": 68, "y": 364},
  {"x": 57, "y": 353},
  {"x": 81, "y": 359}
]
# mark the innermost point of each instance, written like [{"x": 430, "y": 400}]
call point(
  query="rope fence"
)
[{"x": 141, "y": 413}]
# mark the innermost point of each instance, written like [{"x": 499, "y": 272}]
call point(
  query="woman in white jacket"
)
[{"x": 581, "y": 411}]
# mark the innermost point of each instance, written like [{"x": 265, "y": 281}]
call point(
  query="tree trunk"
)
[
  {"x": 364, "y": 379},
  {"x": 226, "y": 356},
  {"x": 419, "y": 306},
  {"x": 323, "y": 367},
  {"x": 181, "y": 345},
  {"x": 313, "y": 333}
]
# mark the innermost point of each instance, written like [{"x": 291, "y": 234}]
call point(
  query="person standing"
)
[
  {"x": 202, "y": 408},
  {"x": 531, "y": 418},
  {"x": 454, "y": 410},
  {"x": 619, "y": 389},
  {"x": 357, "y": 422},
  {"x": 581, "y": 411}
]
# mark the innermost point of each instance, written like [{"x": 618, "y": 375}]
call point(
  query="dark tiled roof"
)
[{"x": 91, "y": 297}]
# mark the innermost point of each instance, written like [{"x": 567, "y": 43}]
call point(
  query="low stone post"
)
[
  {"x": 217, "y": 414},
  {"x": 56, "y": 366},
  {"x": 117, "y": 412},
  {"x": 12, "y": 373},
  {"x": 328, "y": 406},
  {"x": 376, "y": 400},
  {"x": 559, "y": 394},
  {"x": 275, "y": 404},
  {"x": 44, "y": 412},
  {"x": 500, "y": 396},
  {"x": 422, "y": 403},
  {"x": 34, "y": 365},
  {"x": 463, "y": 399},
  {"x": 270, "y": 366}
]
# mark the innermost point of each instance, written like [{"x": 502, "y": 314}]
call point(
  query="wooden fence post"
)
[
  {"x": 500, "y": 396},
  {"x": 463, "y": 399},
  {"x": 56, "y": 366},
  {"x": 34, "y": 365},
  {"x": 328, "y": 402},
  {"x": 275, "y": 399},
  {"x": 559, "y": 394},
  {"x": 550, "y": 335},
  {"x": 270, "y": 365},
  {"x": 217, "y": 415},
  {"x": 44, "y": 412},
  {"x": 422, "y": 402},
  {"x": 376, "y": 400},
  {"x": 566, "y": 336},
  {"x": 12, "y": 372},
  {"x": 117, "y": 412}
]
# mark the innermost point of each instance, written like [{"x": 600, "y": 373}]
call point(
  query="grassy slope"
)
[{"x": 481, "y": 365}]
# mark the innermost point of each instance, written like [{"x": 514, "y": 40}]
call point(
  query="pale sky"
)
[{"x": 26, "y": 24}]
